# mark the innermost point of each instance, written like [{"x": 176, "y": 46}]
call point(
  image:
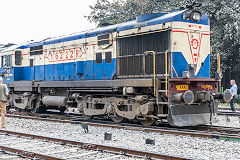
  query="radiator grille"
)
[{"x": 131, "y": 58}]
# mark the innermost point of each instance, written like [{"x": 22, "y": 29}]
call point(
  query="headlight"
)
[
  {"x": 186, "y": 74},
  {"x": 218, "y": 75},
  {"x": 188, "y": 97},
  {"x": 195, "y": 16}
]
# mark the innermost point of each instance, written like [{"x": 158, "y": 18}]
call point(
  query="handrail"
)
[
  {"x": 154, "y": 71},
  {"x": 219, "y": 69},
  {"x": 171, "y": 65},
  {"x": 175, "y": 71},
  {"x": 166, "y": 72}
]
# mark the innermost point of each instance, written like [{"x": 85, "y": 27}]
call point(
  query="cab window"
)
[
  {"x": 6, "y": 61},
  {"x": 18, "y": 58},
  {"x": 99, "y": 57}
]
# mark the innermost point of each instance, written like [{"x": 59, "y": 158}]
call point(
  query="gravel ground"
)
[
  {"x": 54, "y": 149},
  {"x": 230, "y": 121},
  {"x": 10, "y": 156},
  {"x": 183, "y": 146}
]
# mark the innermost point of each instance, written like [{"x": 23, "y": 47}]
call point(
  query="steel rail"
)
[
  {"x": 225, "y": 108},
  {"x": 200, "y": 131},
  {"x": 227, "y": 113},
  {"x": 91, "y": 146},
  {"x": 27, "y": 154}
]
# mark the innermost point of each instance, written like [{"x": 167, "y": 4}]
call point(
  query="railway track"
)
[
  {"x": 28, "y": 146},
  {"x": 48, "y": 148},
  {"x": 228, "y": 112},
  {"x": 4, "y": 155},
  {"x": 206, "y": 131},
  {"x": 227, "y": 109}
]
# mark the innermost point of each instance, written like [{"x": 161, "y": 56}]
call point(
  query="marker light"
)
[{"x": 195, "y": 16}]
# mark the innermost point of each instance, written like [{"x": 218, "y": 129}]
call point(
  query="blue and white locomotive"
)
[{"x": 149, "y": 69}]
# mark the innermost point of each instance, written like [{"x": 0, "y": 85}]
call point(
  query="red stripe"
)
[
  {"x": 90, "y": 45},
  {"x": 22, "y": 54},
  {"x": 180, "y": 31},
  {"x": 61, "y": 60},
  {"x": 206, "y": 34}
]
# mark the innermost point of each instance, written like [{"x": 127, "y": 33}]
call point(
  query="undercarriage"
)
[{"x": 131, "y": 99}]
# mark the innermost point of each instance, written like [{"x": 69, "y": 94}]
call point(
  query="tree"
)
[{"x": 119, "y": 11}]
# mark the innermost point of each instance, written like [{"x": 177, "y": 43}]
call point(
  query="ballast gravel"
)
[
  {"x": 53, "y": 149},
  {"x": 229, "y": 121},
  {"x": 174, "y": 145}
]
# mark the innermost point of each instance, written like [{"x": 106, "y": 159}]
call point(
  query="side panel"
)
[
  {"x": 58, "y": 71},
  {"x": 88, "y": 70},
  {"x": 8, "y": 74},
  {"x": 110, "y": 69},
  {"x": 48, "y": 73},
  {"x": 23, "y": 73},
  {"x": 39, "y": 72},
  {"x": 69, "y": 71}
]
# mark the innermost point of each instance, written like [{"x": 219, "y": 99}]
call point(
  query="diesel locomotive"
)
[{"x": 153, "y": 68}]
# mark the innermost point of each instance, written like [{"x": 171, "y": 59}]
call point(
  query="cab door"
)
[
  {"x": 99, "y": 66},
  {"x": 109, "y": 65},
  {"x": 18, "y": 69},
  {"x": 36, "y": 62},
  {"x": 7, "y": 70},
  {"x": 32, "y": 69}
]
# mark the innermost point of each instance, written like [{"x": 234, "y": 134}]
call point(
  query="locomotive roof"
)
[
  {"x": 140, "y": 21},
  {"x": 10, "y": 48}
]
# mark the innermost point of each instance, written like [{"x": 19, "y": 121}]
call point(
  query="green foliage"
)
[
  {"x": 224, "y": 17},
  {"x": 119, "y": 11}
]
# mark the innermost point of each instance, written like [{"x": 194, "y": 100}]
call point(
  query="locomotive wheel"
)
[
  {"x": 35, "y": 109},
  {"x": 81, "y": 105},
  {"x": 86, "y": 117},
  {"x": 62, "y": 110},
  {"x": 35, "y": 106},
  {"x": 117, "y": 118},
  {"x": 17, "y": 109},
  {"x": 41, "y": 108},
  {"x": 147, "y": 122}
]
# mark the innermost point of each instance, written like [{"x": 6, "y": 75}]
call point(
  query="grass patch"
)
[{"x": 227, "y": 105}]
